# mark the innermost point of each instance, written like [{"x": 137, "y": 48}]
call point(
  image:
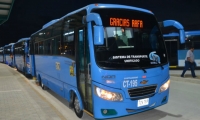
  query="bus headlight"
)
[
  {"x": 165, "y": 86},
  {"x": 107, "y": 95}
]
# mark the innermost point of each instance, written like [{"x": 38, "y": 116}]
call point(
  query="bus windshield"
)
[{"x": 132, "y": 40}]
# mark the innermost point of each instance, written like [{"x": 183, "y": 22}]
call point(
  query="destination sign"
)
[{"x": 123, "y": 22}]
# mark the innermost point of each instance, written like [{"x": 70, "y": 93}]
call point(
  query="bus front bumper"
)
[{"x": 110, "y": 109}]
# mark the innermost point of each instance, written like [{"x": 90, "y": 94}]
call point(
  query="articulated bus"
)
[
  {"x": 8, "y": 54},
  {"x": 177, "y": 51},
  {"x": 106, "y": 60},
  {"x": 1, "y": 54},
  {"x": 21, "y": 56}
]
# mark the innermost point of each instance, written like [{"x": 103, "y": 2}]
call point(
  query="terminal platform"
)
[{"x": 22, "y": 99}]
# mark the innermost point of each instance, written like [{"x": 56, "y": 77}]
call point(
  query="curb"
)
[{"x": 188, "y": 80}]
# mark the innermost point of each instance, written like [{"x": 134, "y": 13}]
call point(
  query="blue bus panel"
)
[
  {"x": 8, "y": 55},
  {"x": 1, "y": 55},
  {"x": 21, "y": 56}
]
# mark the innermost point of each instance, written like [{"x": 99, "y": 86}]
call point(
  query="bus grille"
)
[{"x": 145, "y": 91}]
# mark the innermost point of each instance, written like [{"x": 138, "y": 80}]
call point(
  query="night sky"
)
[{"x": 28, "y": 16}]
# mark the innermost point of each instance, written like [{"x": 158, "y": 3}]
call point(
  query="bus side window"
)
[
  {"x": 36, "y": 48},
  {"x": 68, "y": 42},
  {"x": 56, "y": 46},
  {"x": 196, "y": 45},
  {"x": 47, "y": 47},
  {"x": 41, "y": 47}
]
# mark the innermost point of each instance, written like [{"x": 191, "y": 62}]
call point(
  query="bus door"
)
[
  {"x": 24, "y": 53},
  {"x": 83, "y": 70},
  {"x": 172, "y": 49}
]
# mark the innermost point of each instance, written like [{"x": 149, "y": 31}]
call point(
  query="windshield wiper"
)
[
  {"x": 125, "y": 64},
  {"x": 154, "y": 61},
  {"x": 137, "y": 66}
]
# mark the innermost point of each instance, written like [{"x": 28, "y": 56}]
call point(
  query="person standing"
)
[
  {"x": 123, "y": 37},
  {"x": 189, "y": 62}
]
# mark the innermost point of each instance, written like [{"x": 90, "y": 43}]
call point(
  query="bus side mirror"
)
[
  {"x": 98, "y": 35},
  {"x": 182, "y": 36}
]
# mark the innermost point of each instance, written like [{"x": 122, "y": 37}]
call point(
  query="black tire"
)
[
  {"x": 76, "y": 106},
  {"x": 24, "y": 72},
  {"x": 26, "y": 75},
  {"x": 42, "y": 85},
  {"x": 17, "y": 68}
]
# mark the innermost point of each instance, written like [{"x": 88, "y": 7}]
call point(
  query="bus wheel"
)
[
  {"x": 43, "y": 86},
  {"x": 77, "y": 109},
  {"x": 24, "y": 72}
]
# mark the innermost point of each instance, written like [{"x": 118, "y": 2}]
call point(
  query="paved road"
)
[
  {"x": 184, "y": 104},
  {"x": 28, "y": 101}
]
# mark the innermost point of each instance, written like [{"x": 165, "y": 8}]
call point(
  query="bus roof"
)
[
  {"x": 197, "y": 32},
  {"x": 187, "y": 33},
  {"x": 49, "y": 23},
  {"x": 11, "y": 44},
  {"x": 22, "y": 39},
  {"x": 88, "y": 8},
  {"x": 93, "y": 6}
]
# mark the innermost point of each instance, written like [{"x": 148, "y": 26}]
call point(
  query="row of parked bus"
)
[
  {"x": 17, "y": 55},
  {"x": 106, "y": 60}
]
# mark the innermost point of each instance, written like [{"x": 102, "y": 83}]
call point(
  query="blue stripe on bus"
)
[{"x": 182, "y": 54}]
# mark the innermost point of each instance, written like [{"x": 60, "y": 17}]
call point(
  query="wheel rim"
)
[
  {"x": 77, "y": 105},
  {"x": 42, "y": 84}
]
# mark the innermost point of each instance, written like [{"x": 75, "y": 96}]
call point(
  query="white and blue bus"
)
[
  {"x": 8, "y": 54},
  {"x": 106, "y": 60},
  {"x": 177, "y": 51},
  {"x": 21, "y": 56},
  {"x": 1, "y": 55}
]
